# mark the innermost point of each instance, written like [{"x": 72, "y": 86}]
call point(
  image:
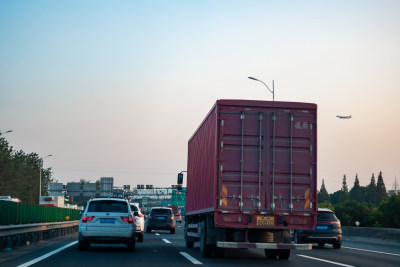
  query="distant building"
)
[
  {"x": 106, "y": 186},
  {"x": 56, "y": 189},
  {"x": 74, "y": 189}
]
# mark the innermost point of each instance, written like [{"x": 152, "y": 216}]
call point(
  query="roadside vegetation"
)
[
  {"x": 365, "y": 206},
  {"x": 20, "y": 172}
]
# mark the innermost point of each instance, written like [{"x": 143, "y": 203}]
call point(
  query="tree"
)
[
  {"x": 344, "y": 189},
  {"x": 380, "y": 189},
  {"x": 19, "y": 174},
  {"x": 356, "y": 193},
  {"x": 351, "y": 211},
  {"x": 371, "y": 191},
  {"x": 323, "y": 195},
  {"x": 388, "y": 212}
]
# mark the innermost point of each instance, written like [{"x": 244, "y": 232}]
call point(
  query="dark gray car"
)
[
  {"x": 161, "y": 219},
  {"x": 328, "y": 230}
]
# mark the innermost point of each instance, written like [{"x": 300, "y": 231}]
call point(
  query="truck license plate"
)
[{"x": 266, "y": 220}]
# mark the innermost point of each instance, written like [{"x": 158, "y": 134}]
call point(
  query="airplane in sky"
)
[{"x": 344, "y": 117}]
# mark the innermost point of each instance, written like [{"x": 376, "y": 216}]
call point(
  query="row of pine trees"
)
[{"x": 368, "y": 206}]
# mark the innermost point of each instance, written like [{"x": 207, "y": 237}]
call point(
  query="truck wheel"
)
[
  {"x": 271, "y": 254},
  {"x": 284, "y": 254},
  {"x": 189, "y": 244},
  {"x": 205, "y": 249},
  {"x": 219, "y": 252},
  {"x": 297, "y": 239}
]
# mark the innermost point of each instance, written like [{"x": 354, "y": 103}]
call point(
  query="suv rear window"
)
[
  {"x": 326, "y": 216},
  {"x": 108, "y": 206},
  {"x": 134, "y": 208},
  {"x": 161, "y": 212}
]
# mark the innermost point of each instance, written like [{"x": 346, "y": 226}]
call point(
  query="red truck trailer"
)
[{"x": 251, "y": 177}]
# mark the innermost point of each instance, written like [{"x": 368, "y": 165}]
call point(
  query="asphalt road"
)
[{"x": 161, "y": 248}]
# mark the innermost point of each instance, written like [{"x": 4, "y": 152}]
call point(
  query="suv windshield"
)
[
  {"x": 161, "y": 212},
  {"x": 326, "y": 216},
  {"x": 108, "y": 206}
]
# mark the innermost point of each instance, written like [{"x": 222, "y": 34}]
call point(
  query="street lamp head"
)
[
  {"x": 48, "y": 156},
  {"x": 9, "y": 131},
  {"x": 252, "y": 78}
]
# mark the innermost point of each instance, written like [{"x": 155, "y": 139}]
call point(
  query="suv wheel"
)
[
  {"x": 337, "y": 245},
  {"x": 132, "y": 244},
  {"x": 83, "y": 245},
  {"x": 140, "y": 237}
]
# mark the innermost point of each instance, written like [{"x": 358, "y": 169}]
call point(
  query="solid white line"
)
[
  {"x": 157, "y": 234},
  {"x": 29, "y": 263},
  {"x": 187, "y": 256},
  {"x": 392, "y": 254},
  {"x": 167, "y": 241},
  {"x": 317, "y": 259}
]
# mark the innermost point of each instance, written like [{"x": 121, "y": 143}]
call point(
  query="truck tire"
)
[
  {"x": 297, "y": 239},
  {"x": 189, "y": 244},
  {"x": 219, "y": 252},
  {"x": 271, "y": 254},
  {"x": 284, "y": 254},
  {"x": 205, "y": 250}
]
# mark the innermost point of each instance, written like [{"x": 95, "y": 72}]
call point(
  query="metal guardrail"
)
[
  {"x": 387, "y": 236},
  {"x": 25, "y": 234}
]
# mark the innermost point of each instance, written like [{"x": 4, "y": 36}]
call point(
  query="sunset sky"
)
[{"x": 116, "y": 88}]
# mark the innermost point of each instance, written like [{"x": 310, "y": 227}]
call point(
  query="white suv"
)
[
  {"x": 139, "y": 220},
  {"x": 107, "y": 220}
]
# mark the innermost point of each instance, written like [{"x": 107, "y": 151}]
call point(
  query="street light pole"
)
[
  {"x": 40, "y": 178},
  {"x": 272, "y": 91},
  {"x": 9, "y": 131}
]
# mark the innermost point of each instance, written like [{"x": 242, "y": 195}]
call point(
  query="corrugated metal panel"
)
[
  {"x": 267, "y": 159},
  {"x": 202, "y": 165}
]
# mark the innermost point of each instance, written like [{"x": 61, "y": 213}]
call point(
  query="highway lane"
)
[{"x": 161, "y": 248}]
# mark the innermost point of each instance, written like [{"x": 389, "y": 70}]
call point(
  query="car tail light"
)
[
  {"x": 128, "y": 219},
  {"x": 141, "y": 215},
  {"x": 87, "y": 219}
]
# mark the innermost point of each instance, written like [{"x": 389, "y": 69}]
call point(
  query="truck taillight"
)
[
  {"x": 87, "y": 219},
  {"x": 128, "y": 219}
]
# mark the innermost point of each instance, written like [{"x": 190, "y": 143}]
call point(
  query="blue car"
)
[{"x": 328, "y": 231}]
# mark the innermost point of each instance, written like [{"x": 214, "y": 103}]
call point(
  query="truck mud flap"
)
[{"x": 263, "y": 245}]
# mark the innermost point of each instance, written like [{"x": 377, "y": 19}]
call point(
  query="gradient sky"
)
[{"x": 116, "y": 88}]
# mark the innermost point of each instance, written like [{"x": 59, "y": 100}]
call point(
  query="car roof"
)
[
  {"x": 324, "y": 210},
  {"x": 108, "y": 198},
  {"x": 161, "y": 208}
]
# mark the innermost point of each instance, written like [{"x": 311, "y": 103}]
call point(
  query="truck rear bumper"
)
[{"x": 263, "y": 245}]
